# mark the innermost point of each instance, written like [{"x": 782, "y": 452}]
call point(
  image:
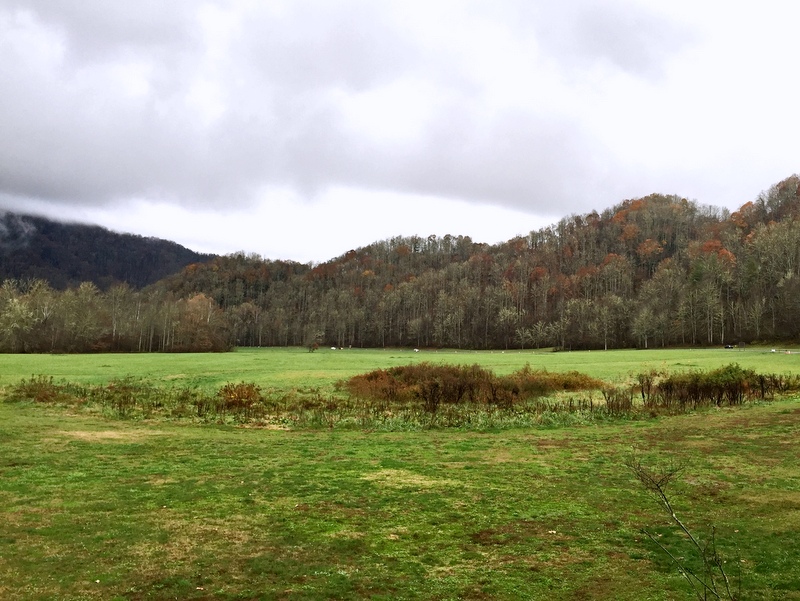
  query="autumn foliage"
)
[{"x": 653, "y": 271}]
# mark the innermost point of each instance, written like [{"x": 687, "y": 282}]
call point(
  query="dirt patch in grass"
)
[{"x": 517, "y": 531}]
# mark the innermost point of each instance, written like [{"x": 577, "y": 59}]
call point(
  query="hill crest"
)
[{"x": 66, "y": 254}]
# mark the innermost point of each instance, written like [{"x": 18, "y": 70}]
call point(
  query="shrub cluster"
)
[
  {"x": 432, "y": 385},
  {"x": 729, "y": 385}
]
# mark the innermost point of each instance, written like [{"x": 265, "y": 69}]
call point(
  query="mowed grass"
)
[{"x": 95, "y": 508}]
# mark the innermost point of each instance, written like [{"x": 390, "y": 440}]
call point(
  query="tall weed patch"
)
[
  {"x": 43, "y": 389},
  {"x": 420, "y": 396}
]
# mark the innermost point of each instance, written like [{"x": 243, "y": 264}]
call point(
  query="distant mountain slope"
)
[
  {"x": 653, "y": 271},
  {"x": 67, "y": 254},
  {"x": 657, "y": 270}
]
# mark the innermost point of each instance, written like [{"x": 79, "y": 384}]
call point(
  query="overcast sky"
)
[{"x": 299, "y": 129}]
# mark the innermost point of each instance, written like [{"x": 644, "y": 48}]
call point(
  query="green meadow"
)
[
  {"x": 296, "y": 368},
  {"x": 97, "y": 507}
]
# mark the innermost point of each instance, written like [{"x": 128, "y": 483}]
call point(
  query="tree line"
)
[
  {"x": 655, "y": 271},
  {"x": 37, "y": 318}
]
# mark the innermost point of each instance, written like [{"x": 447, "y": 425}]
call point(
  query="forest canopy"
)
[{"x": 659, "y": 270}]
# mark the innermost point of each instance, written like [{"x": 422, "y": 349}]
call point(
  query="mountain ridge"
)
[
  {"x": 658, "y": 270},
  {"x": 67, "y": 254}
]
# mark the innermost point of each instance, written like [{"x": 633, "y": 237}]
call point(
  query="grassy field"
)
[
  {"x": 297, "y": 368},
  {"x": 94, "y": 508}
]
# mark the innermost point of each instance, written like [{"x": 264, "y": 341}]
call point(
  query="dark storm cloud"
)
[{"x": 71, "y": 132}]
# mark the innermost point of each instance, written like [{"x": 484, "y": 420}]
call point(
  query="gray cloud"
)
[
  {"x": 71, "y": 132},
  {"x": 319, "y": 45},
  {"x": 624, "y": 34},
  {"x": 518, "y": 161},
  {"x": 98, "y": 31},
  {"x": 77, "y": 139},
  {"x": 582, "y": 33}
]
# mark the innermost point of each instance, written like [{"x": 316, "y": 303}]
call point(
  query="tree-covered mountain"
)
[
  {"x": 658, "y": 270},
  {"x": 67, "y": 254}
]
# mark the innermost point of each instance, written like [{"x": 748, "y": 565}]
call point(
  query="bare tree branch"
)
[{"x": 655, "y": 481}]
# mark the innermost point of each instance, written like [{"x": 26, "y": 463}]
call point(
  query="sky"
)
[{"x": 301, "y": 129}]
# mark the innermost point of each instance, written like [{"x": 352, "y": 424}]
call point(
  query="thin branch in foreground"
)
[{"x": 705, "y": 586}]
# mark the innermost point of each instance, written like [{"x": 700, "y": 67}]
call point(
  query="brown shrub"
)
[
  {"x": 435, "y": 385},
  {"x": 241, "y": 399}
]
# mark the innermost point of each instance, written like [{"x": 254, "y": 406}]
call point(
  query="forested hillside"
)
[
  {"x": 659, "y": 270},
  {"x": 67, "y": 254}
]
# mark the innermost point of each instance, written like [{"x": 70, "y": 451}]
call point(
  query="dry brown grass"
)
[{"x": 399, "y": 478}]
